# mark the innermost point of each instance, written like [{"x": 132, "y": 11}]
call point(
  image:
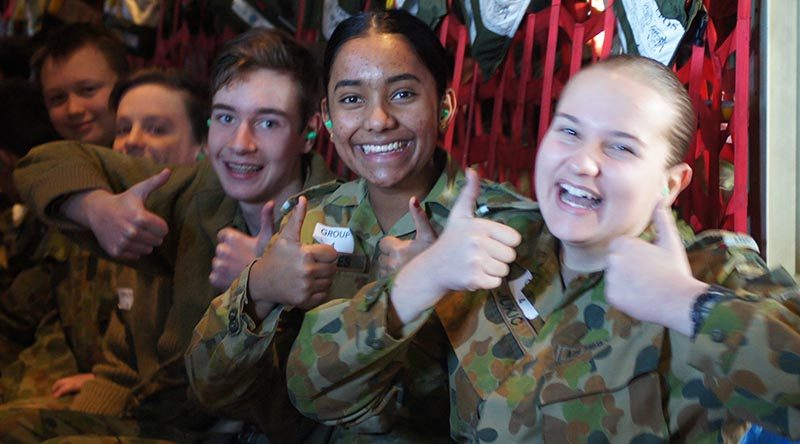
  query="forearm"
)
[
  {"x": 344, "y": 362},
  {"x": 79, "y": 207},
  {"x": 230, "y": 356}
]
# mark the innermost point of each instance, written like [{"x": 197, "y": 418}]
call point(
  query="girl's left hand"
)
[{"x": 653, "y": 282}]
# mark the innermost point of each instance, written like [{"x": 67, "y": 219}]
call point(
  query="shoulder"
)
[
  {"x": 316, "y": 195},
  {"x": 726, "y": 258},
  {"x": 502, "y": 197}
]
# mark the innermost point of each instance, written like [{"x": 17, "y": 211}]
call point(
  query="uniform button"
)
[
  {"x": 718, "y": 335},
  {"x": 234, "y": 327},
  {"x": 232, "y": 314}
]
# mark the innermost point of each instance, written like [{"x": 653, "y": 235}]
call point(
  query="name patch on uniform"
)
[
  {"x": 340, "y": 238},
  {"x": 125, "y": 298},
  {"x": 525, "y": 305}
]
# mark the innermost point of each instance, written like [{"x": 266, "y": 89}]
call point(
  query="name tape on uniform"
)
[
  {"x": 125, "y": 296},
  {"x": 525, "y": 305},
  {"x": 340, "y": 238}
]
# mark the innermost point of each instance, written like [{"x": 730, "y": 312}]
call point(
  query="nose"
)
[
  {"x": 584, "y": 161},
  {"x": 243, "y": 139},
  {"x": 133, "y": 143},
  {"x": 74, "y": 104},
  {"x": 380, "y": 118}
]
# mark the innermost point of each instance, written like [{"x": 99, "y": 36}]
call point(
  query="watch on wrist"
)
[{"x": 705, "y": 302}]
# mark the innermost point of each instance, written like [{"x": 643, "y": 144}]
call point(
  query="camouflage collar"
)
[{"x": 443, "y": 193}]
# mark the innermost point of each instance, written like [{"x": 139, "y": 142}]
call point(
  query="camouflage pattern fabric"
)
[
  {"x": 581, "y": 371},
  {"x": 66, "y": 299},
  {"x": 142, "y": 375},
  {"x": 19, "y": 235},
  {"x": 231, "y": 359},
  {"x": 29, "y": 426}
]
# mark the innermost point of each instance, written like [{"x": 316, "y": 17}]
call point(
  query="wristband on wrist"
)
[{"x": 705, "y": 302}]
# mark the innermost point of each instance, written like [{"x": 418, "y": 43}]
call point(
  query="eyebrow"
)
[
  {"x": 392, "y": 79},
  {"x": 623, "y": 134},
  {"x": 258, "y": 111}
]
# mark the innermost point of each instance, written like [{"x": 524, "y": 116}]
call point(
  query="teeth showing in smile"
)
[
  {"x": 380, "y": 149},
  {"x": 242, "y": 168},
  {"x": 579, "y": 198}
]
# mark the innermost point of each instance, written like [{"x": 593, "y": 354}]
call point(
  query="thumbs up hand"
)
[
  {"x": 290, "y": 273},
  {"x": 653, "y": 282},
  {"x": 395, "y": 252},
  {"x": 470, "y": 254},
  {"x": 122, "y": 225},
  {"x": 235, "y": 250}
]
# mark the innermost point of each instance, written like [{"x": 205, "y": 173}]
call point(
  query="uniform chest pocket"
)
[
  {"x": 347, "y": 283},
  {"x": 610, "y": 392}
]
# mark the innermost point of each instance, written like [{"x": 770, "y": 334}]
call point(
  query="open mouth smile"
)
[{"x": 578, "y": 197}]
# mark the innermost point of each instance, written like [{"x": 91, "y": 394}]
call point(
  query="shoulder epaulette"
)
[
  {"x": 312, "y": 193},
  {"x": 722, "y": 238},
  {"x": 495, "y": 196}
]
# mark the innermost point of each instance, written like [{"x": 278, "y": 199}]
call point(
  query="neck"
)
[
  {"x": 252, "y": 210},
  {"x": 584, "y": 259},
  {"x": 390, "y": 204}
]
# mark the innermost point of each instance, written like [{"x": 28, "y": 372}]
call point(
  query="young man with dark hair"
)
[{"x": 200, "y": 225}]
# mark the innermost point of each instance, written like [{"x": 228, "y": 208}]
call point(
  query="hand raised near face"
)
[
  {"x": 470, "y": 254},
  {"x": 653, "y": 282},
  {"x": 235, "y": 250},
  {"x": 289, "y": 272},
  {"x": 122, "y": 225},
  {"x": 394, "y": 253}
]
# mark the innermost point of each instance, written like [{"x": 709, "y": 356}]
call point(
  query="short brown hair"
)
[
  {"x": 194, "y": 93},
  {"x": 68, "y": 39},
  {"x": 664, "y": 82},
  {"x": 261, "y": 48}
]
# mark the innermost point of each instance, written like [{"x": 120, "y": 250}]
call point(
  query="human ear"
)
[
  {"x": 678, "y": 178},
  {"x": 447, "y": 108},
  {"x": 312, "y": 127}
]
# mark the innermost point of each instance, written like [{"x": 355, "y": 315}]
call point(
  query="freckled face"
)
[
  {"x": 602, "y": 166},
  {"x": 384, "y": 106}
]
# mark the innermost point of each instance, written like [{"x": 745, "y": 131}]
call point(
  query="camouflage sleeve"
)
[
  {"x": 229, "y": 355},
  {"x": 749, "y": 343},
  {"x": 343, "y": 362}
]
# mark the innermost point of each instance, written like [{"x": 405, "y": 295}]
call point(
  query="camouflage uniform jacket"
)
[
  {"x": 581, "y": 371},
  {"x": 144, "y": 375},
  {"x": 66, "y": 300},
  {"x": 230, "y": 355}
]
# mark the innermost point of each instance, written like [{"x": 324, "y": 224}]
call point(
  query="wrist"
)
[
  {"x": 684, "y": 298},
  {"x": 256, "y": 306},
  {"x": 78, "y": 207},
  {"x": 413, "y": 291},
  {"x": 704, "y": 303}
]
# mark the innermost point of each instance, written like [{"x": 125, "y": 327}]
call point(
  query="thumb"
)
[
  {"x": 668, "y": 236},
  {"x": 147, "y": 186},
  {"x": 464, "y": 206},
  {"x": 291, "y": 231},
  {"x": 266, "y": 231},
  {"x": 421, "y": 223}
]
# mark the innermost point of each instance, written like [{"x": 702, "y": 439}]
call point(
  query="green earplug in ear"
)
[
  {"x": 311, "y": 135},
  {"x": 445, "y": 113},
  {"x": 665, "y": 191},
  {"x": 329, "y": 124},
  {"x": 208, "y": 123}
]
